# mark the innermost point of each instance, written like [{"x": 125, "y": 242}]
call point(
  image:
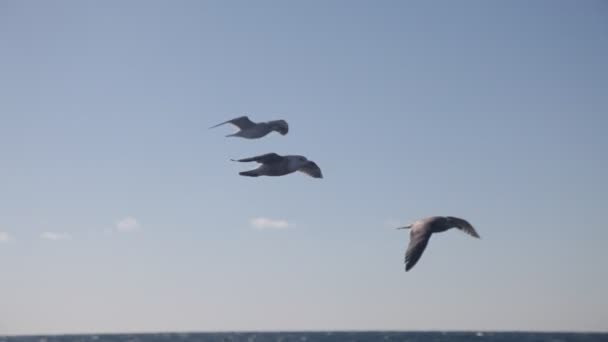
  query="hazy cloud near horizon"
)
[
  {"x": 128, "y": 225},
  {"x": 264, "y": 223},
  {"x": 4, "y": 237},
  {"x": 53, "y": 236}
]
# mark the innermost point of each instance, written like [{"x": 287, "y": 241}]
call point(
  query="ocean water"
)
[{"x": 321, "y": 336}]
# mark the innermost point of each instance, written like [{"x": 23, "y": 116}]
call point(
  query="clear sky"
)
[{"x": 120, "y": 210}]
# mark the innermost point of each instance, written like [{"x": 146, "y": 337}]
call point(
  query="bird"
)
[
  {"x": 421, "y": 231},
  {"x": 252, "y": 130},
  {"x": 276, "y": 165}
]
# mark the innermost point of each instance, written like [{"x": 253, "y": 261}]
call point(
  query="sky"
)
[{"x": 120, "y": 211}]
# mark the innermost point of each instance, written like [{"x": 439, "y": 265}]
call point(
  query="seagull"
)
[
  {"x": 252, "y": 130},
  {"x": 276, "y": 165},
  {"x": 421, "y": 231}
]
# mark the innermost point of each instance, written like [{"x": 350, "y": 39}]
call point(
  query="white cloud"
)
[
  {"x": 128, "y": 225},
  {"x": 55, "y": 236},
  {"x": 262, "y": 223},
  {"x": 4, "y": 237}
]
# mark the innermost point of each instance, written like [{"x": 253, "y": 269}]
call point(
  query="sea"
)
[{"x": 321, "y": 336}]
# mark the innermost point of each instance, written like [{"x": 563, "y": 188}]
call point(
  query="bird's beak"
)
[{"x": 405, "y": 227}]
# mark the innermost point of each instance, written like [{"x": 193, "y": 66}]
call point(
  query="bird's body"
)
[
  {"x": 258, "y": 131},
  {"x": 421, "y": 231},
  {"x": 252, "y": 130},
  {"x": 275, "y": 165}
]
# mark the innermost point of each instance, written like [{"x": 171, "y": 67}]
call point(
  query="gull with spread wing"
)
[
  {"x": 421, "y": 231},
  {"x": 252, "y": 130},
  {"x": 276, "y": 165}
]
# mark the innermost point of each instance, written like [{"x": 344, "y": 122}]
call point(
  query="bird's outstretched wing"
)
[
  {"x": 312, "y": 169},
  {"x": 464, "y": 225},
  {"x": 267, "y": 158},
  {"x": 418, "y": 242},
  {"x": 242, "y": 122}
]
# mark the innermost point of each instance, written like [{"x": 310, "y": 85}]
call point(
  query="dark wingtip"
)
[
  {"x": 475, "y": 234},
  {"x": 218, "y": 125},
  {"x": 248, "y": 174}
]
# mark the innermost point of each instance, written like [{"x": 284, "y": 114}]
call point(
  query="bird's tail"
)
[{"x": 251, "y": 173}]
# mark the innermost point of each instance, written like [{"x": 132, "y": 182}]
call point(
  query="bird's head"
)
[{"x": 280, "y": 126}]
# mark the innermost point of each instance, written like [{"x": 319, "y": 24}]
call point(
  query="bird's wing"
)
[
  {"x": 242, "y": 122},
  {"x": 312, "y": 169},
  {"x": 465, "y": 226},
  {"x": 418, "y": 242},
  {"x": 267, "y": 158}
]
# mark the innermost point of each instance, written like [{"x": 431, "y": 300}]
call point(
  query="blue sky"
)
[{"x": 120, "y": 209}]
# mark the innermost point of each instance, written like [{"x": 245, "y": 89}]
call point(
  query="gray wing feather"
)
[
  {"x": 418, "y": 242},
  {"x": 312, "y": 169},
  {"x": 267, "y": 158},
  {"x": 465, "y": 226},
  {"x": 242, "y": 122}
]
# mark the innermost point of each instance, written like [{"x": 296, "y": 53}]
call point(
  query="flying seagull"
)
[
  {"x": 421, "y": 231},
  {"x": 252, "y": 130},
  {"x": 276, "y": 165}
]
